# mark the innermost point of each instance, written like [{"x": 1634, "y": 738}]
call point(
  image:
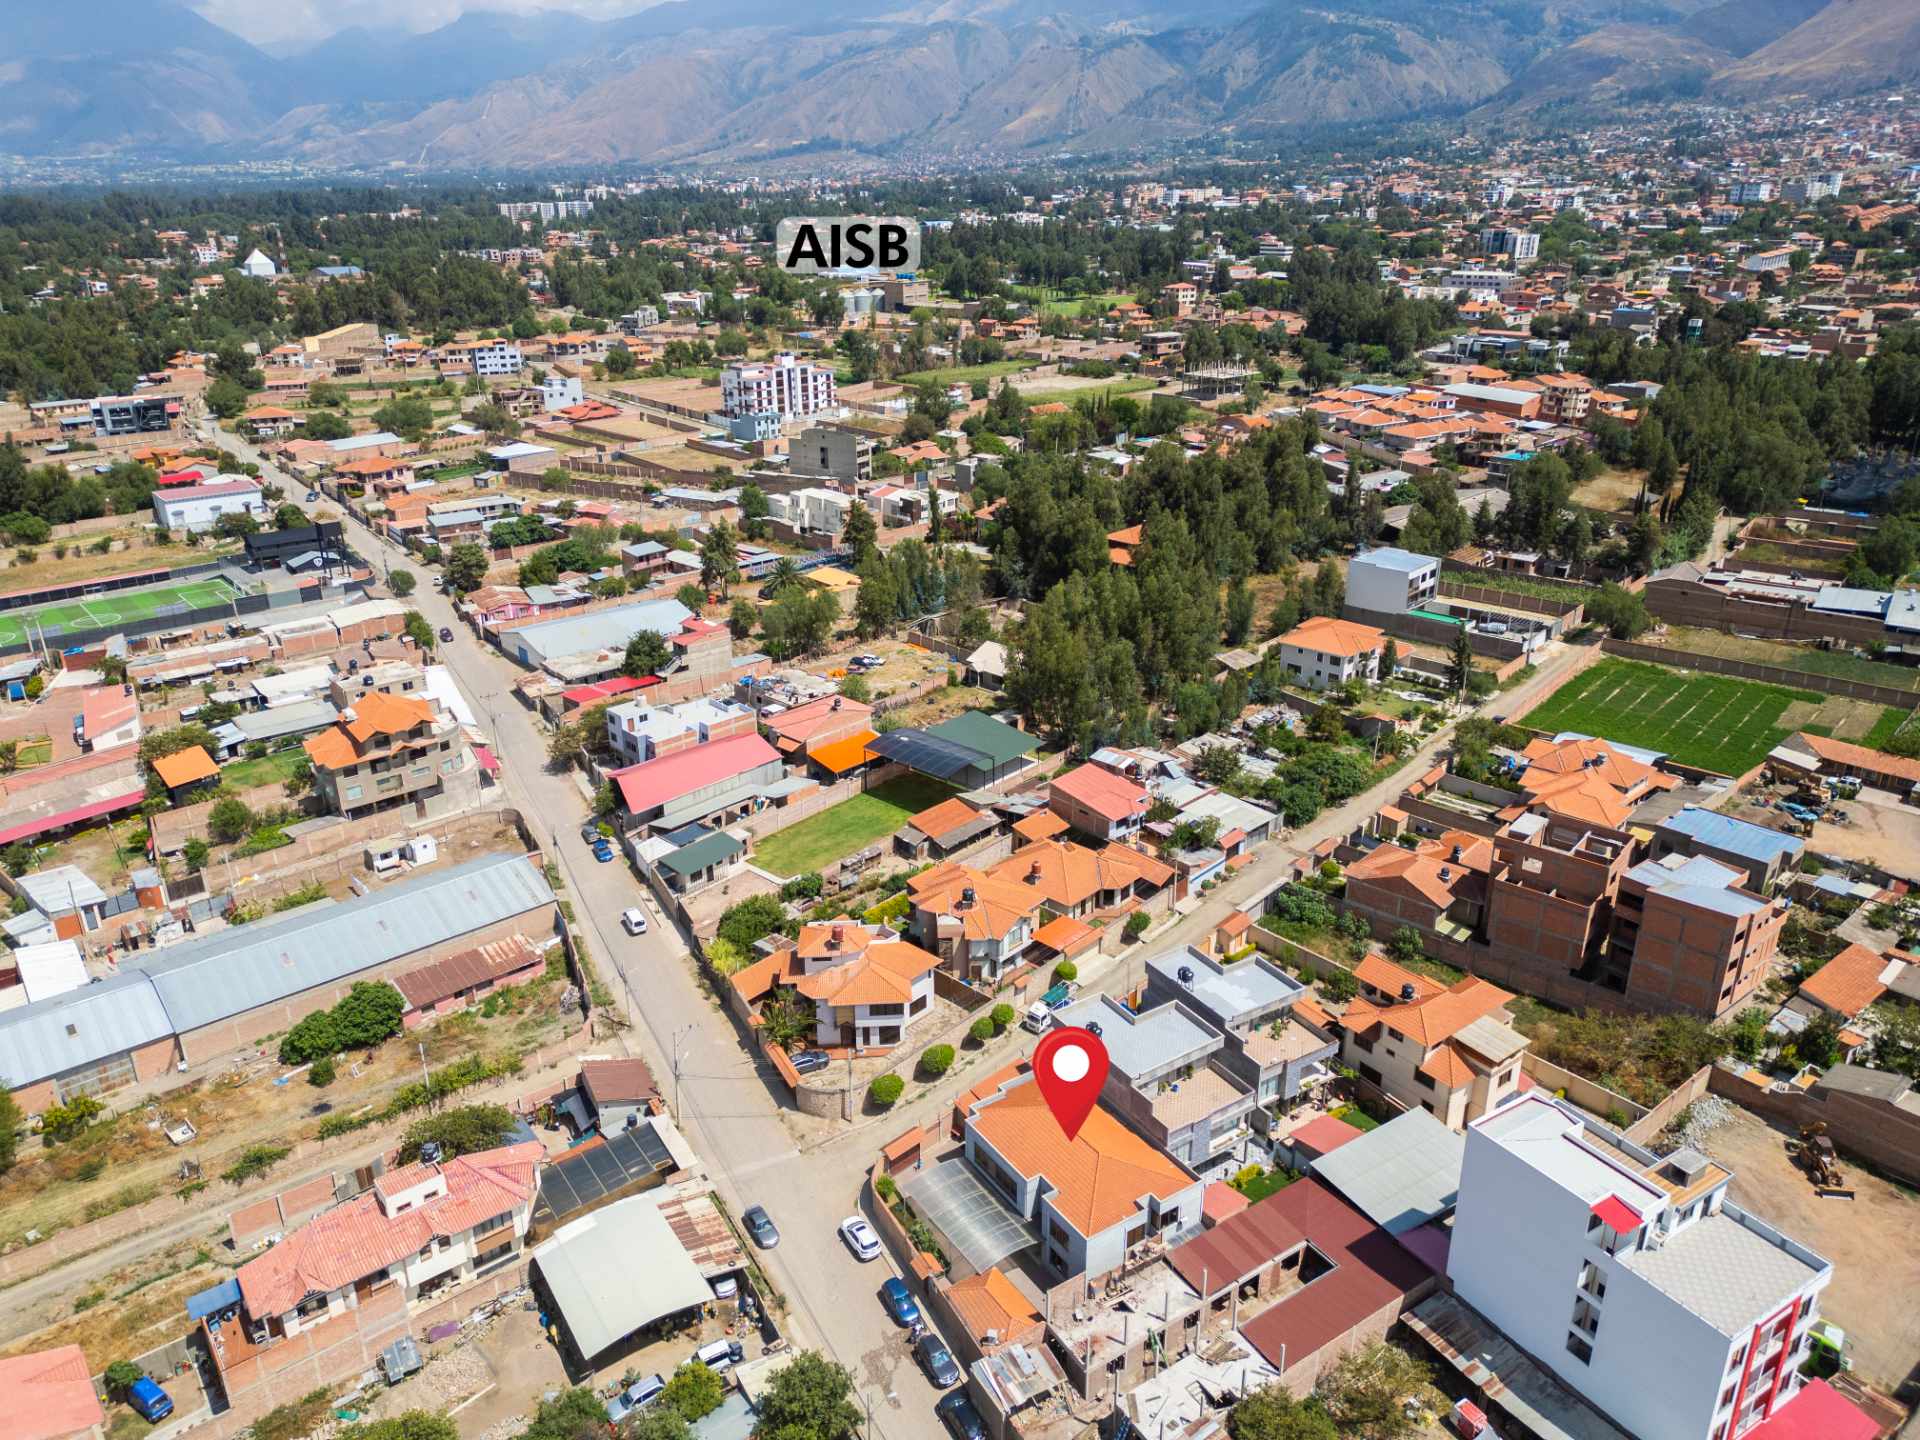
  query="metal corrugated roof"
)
[
  {"x": 1400, "y": 1175},
  {"x": 252, "y": 965},
  {"x": 79, "y": 1028}
]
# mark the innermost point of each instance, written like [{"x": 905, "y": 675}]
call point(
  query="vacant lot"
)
[
  {"x": 819, "y": 840},
  {"x": 1711, "y": 721},
  {"x": 272, "y": 769},
  {"x": 967, "y": 374},
  {"x": 1876, "y": 1270}
]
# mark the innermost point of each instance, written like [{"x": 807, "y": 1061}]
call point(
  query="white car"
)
[
  {"x": 634, "y": 920},
  {"x": 860, "y": 1238}
]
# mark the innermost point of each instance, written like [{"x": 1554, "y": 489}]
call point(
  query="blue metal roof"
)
[
  {"x": 1736, "y": 837},
  {"x": 223, "y": 1296}
]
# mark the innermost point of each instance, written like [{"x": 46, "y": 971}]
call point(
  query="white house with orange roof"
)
[
  {"x": 868, "y": 986},
  {"x": 1093, "y": 1200},
  {"x": 1324, "y": 653},
  {"x": 1447, "y": 1049}
]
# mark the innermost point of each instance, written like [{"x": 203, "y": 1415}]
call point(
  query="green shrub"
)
[
  {"x": 1066, "y": 970},
  {"x": 886, "y": 1089},
  {"x": 885, "y": 1188},
  {"x": 1002, "y": 1016},
  {"x": 63, "y": 1122},
  {"x": 982, "y": 1028},
  {"x": 888, "y": 910},
  {"x": 1339, "y": 985},
  {"x": 936, "y": 1060},
  {"x": 1137, "y": 924},
  {"x": 320, "y": 1073},
  {"x": 255, "y": 1160}
]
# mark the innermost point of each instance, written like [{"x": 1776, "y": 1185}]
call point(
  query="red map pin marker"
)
[{"x": 1070, "y": 1066}]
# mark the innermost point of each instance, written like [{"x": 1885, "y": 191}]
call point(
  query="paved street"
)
[{"x": 731, "y": 1108}]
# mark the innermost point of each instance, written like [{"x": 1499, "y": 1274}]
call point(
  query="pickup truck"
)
[{"x": 1039, "y": 1016}]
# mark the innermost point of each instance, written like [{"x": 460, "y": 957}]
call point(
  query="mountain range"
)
[{"x": 735, "y": 81}]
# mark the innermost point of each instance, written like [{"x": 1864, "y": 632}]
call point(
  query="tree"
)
[
  {"x": 576, "y": 1414},
  {"x": 195, "y": 853},
  {"x": 1389, "y": 659},
  {"x": 226, "y": 398},
  {"x": 409, "y": 416},
  {"x": 289, "y": 517},
  {"x": 885, "y": 1089},
  {"x": 619, "y": 362},
  {"x": 783, "y": 577},
  {"x": 461, "y": 1131},
  {"x": 1406, "y": 946},
  {"x": 1366, "y": 1391},
  {"x": 419, "y": 630},
  {"x": 1621, "y": 611},
  {"x": 229, "y": 819},
  {"x": 751, "y": 919},
  {"x": 401, "y": 583},
  {"x": 11, "y": 1123},
  {"x": 657, "y": 1422},
  {"x": 742, "y": 617},
  {"x": 1239, "y": 611},
  {"x": 719, "y": 558},
  {"x": 1459, "y": 663},
  {"x": 1270, "y": 1413},
  {"x": 236, "y": 524},
  {"x": 313, "y": 1037},
  {"x": 408, "y": 1425},
  {"x": 754, "y": 510},
  {"x": 936, "y": 1060},
  {"x": 368, "y": 1013},
  {"x": 467, "y": 566},
  {"x": 325, "y": 425},
  {"x": 694, "y": 1391},
  {"x": 647, "y": 654},
  {"x": 860, "y": 534}
]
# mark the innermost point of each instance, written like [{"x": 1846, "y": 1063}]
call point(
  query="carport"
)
[{"x": 968, "y": 1214}]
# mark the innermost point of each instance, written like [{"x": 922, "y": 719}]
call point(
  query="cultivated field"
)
[{"x": 1711, "y": 721}]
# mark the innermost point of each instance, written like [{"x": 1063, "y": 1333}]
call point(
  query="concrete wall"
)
[{"x": 1688, "y": 602}]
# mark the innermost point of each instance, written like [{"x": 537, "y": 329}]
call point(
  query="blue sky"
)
[{"x": 295, "y": 24}]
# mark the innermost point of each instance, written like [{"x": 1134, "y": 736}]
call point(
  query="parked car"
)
[
  {"x": 936, "y": 1360},
  {"x": 312, "y": 495},
  {"x": 808, "y": 1061},
  {"x": 634, "y": 1397},
  {"x": 633, "y": 920},
  {"x": 963, "y": 1422},
  {"x": 861, "y": 1238},
  {"x": 603, "y": 851},
  {"x": 761, "y": 1227},
  {"x": 900, "y": 1303},
  {"x": 152, "y": 1403},
  {"x": 590, "y": 832},
  {"x": 720, "y": 1356},
  {"x": 446, "y": 634}
]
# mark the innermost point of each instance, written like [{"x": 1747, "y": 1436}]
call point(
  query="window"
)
[
  {"x": 1579, "y": 1349},
  {"x": 1363, "y": 1042},
  {"x": 1423, "y": 1080},
  {"x": 1369, "y": 1074},
  {"x": 918, "y": 1005},
  {"x": 312, "y": 1305}
]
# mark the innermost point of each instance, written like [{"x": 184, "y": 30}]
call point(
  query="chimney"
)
[
  {"x": 1459, "y": 853},
  {"x": 1033, "y": 873},
  {"x": 833, "y": 938}
]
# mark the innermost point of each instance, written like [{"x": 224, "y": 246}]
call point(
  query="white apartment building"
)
[
  {"x": 1480, "y": 284},
  {"x": 1390, "y": 581},
  {"x": 813, "y": 509},
  {"x": 199, "y": 507},
  {"x": 1750, "y": 192},
  {"x": 1514, "y": 244},
  {"x": 1631, "y": 1277},
  {"x": 639, "y": 732},
  {"x": 557, "y": 392},
  {"x": 786, "y": 385},
  {"x": 487, "y": 357}
]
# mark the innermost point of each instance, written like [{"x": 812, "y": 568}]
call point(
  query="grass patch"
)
[
  {"x": 266, "y": 770},
  {"x": 1712, "y": 721},
  {"x": 967, "y": 374},
  {"x": 1257, "y": 1184},
  {"x": 1885, "y": 728},
  {"x": 33, "y": 752},
  {"x": 1356, "y": 1117},
  {"x": 819, "y": 840}
]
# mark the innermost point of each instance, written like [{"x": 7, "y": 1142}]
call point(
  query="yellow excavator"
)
[{"x": 1815, "y": 1155}]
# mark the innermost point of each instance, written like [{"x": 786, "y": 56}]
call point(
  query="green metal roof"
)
[
  {"x": 708, "y": 850},
  {"x": 978, "y": 731}
]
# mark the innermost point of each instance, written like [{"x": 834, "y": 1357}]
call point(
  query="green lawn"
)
[
  {"x": 1885, "y": 727},
  {"x": 1356, "y": 1117},
  {"x": 1712, "y": 721},
  {"x": 967, "y": 374},
  {"x": 267, "y": 770},
  {"x": 819, "y": 840},
  {"x": 1266, "y": 1183},
  {"x": 1051, "y": 302}
]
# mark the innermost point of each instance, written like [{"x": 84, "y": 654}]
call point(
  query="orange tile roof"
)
[
  {"x": 1329, "y": 636},
  {"x": 49, "y": 1393},
  {"x": 375, "y": 715},
  {"x": 995, "y": 908},
  {"x": 1066, "y": 935},
  {"x": 1041, "y": 825},
  {"x": 183, "y": 767},
  {"x": 356, "y": 1239},
  {"x": 1436, "y": 1019},
  {"x": 842, "y": 755},
  {"x": 1382, "y": 974},
  {"x": 883, "y": 973},
  {"x": 990, "y": 1303},
  {"x": 1446, "y": 1067},
  {"x": 1849, "y": 982},
  {"x": 942, "y": 819},
  {"x": 1840, "y": 752},
  {"x": 1099, "y": 1176},
  {"x": 1066, "y": 875}
]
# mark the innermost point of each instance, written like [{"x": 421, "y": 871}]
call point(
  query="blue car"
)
[
  {"x": 603, "y": 852},
  {"x": 153, "y": 1403},
  {"x": 899, "y": 1302}
]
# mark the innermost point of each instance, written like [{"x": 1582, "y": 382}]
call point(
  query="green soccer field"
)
[
  {"x": 1712, "y": 721},
  {"x": 19, "y": 628}
]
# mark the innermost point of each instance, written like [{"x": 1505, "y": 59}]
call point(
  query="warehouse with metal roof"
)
[{"x": 194, "y": 1001}]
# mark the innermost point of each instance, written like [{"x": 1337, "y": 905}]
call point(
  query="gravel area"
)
[{"x": 1704, "y": 1116}]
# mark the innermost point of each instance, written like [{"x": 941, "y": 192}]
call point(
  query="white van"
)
[
  {"x": 1038, "y": 1019},
  {"x": 720, "y": 1356}
]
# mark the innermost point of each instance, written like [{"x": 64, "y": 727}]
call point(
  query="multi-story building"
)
[
  {"x": 868, "y": 986},
  {"x": 133, "y": 414},
  {"x": 1766, "y": 855},
  {"x": 1250, "y": 1003},
  {"x": 832, "y": 453},
  {"x": 1631, "y": 1277},
  {"x": 1164, "y": 1079},
  {"x": 1686, "y": 933},
  {"x": 1565, "y": 399},
  {"x": 1809, "y": 189},
  {"x": 421, "y": 1232},
  {"x": 1095, "y": 1202},
  {"x": 814, "y": 510},
  {"x": 486, "y": 358},
  {"x": 643, "y": 318},
  {"x": 1391, "y": 582},
  {"x": 786, "y": 385},
  {"x": 1446, "y": 1049},
  {"x": 1324, "y": 653},
  {"x": 1516, "y": 245},
  {"x": 1750, "y": 192},
  {"x": 1099, "y": 802},
  {"x": 638, "y": 731},
  {"x": 546, "y": 211},
  {"x": 390, "y": 750}
]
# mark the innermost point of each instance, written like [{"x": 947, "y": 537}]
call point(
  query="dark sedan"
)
[
  {"x": 937, "y": 1361},
  {"x": 899, "y": 1302},
  {"x": 956, "y": 1412}
]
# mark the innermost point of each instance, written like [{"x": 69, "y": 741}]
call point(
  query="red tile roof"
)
[
  {"x": 654, "y": 783},
  {"x": 356, "y": 1239},
  {"x": 1328, "y": 636},
  {"x": 1817, "y": 1412},
  {"x": 1110, "y": 796},
  {"x": 1370, "y": 1271},
  {"x": 1324, "y": 1135},
  {"x": 446, "y": 978},
  {"x": 1235, "y": 1248},
  {"x": 1849, "y": 982},
  {"x": 48, "y": 1393}
]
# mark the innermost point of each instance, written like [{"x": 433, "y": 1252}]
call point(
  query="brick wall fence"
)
[
  {"x": 64, "y": 1245},
  {"x": 1711, "y": 607},
  {"x": 1880, "y": 1132},
  {"x": 1570, "y": 613},
  {"x": 1899, "y": 697}
]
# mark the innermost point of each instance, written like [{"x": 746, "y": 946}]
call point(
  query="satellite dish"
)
[{"x": 1093, "y": 1028}]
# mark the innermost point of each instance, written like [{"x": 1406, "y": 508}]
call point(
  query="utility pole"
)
[{"x": 678, "y": 1038}]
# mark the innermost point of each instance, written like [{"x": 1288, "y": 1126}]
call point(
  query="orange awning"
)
[{"x": 840, "y": 756}]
